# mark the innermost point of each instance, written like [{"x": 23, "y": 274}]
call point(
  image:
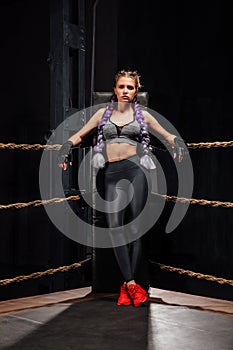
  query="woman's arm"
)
[
  {"x": 92, "y": 124},
  {"x": 179, "y": 148},
  {"x": 155, "y": 126},
  {"x": 78, "y": 137}
]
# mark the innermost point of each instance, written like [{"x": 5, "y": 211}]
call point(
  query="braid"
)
[
  {"x": 107, "y": 114},
  {"x": 145, "y": 138},
  {"x": 145, "y": 160},
  {"x": 98, "y": 160}
]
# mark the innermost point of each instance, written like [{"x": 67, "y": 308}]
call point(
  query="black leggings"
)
[{"x": 126, "y": 192}]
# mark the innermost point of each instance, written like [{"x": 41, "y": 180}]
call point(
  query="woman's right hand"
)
[{"x": 64, "y": 155}]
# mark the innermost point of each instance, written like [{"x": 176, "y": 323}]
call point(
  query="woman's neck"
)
[{"x": 123, "y": 107}]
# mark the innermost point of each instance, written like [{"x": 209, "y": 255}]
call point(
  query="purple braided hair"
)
[
  {"x": 145, "y": 138},
  {"x": 107, "y": 114}
]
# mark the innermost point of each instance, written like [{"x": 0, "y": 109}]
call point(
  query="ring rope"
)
[
  {"x": 37, "y": 203},
  {"x": 195, "y": 274},
  {"x": 77, "y": 265},
  {"x": 210, "y": 144},
  {"x": 43, "y": 273},
  {"x": 27, "y": 147},
  {"x": 58, "y": 200},
  {"x": 35, "y": 147},
  {"x": 197, "y": 201}
]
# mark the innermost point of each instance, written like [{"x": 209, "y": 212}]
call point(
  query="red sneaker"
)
[
  {"x": 138, "y": 298},
  {"x": 143, "y": 291},
  {"x": 124, "y": 298}
]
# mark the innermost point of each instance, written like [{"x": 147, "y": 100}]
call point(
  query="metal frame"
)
[{"x": 67, "y": 96}]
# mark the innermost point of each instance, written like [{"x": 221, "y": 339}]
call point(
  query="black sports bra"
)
[{"x": 128, "y": 133}]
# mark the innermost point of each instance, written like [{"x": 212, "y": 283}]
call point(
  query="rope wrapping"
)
[
  {"x": 180, "y": 271},
  {"x": 197, "y": 201},
  {"x": 195, "y": 274},
  {"x": 27, "y": 147},
  {"x": 43, "y": 273},
  {"x": 210, "y": 144},
  {"x": 38, "y": 147},
  {"x": 37, "y": 203}
]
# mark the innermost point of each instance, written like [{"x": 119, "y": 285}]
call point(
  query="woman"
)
[{"x": 121, "y": 127}]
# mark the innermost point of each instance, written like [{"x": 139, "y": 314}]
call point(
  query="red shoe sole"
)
[
  {"x": 141, "y": 302},
  {"x": 121, "y": 304}
]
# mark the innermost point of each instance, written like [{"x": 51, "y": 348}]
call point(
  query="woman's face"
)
[{"x": 125, "y": 89}]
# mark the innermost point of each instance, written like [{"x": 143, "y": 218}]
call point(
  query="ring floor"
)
[{"x": 80, "y": 319}]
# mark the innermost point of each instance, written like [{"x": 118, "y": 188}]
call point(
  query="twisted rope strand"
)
[
  {"x": 210, "y": 144},
  {"x": 180, "y": 271},
  {"x": 43, "y": 273},
  {"x": 195, "y": 274},
  {"x": 38, "y": 203},
  {"x": 27, "y": 147},
  {"x": 197, "y": 201}
]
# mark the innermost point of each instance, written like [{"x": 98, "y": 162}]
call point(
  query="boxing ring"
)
[
  {"x": 65, "y": 319},
  {"x": 50, "y": 201}
]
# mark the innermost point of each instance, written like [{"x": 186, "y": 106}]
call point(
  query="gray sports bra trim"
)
[{"x": 128, "y": 133}]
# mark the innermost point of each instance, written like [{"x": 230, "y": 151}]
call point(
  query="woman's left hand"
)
[{"x": 179, "y": 149}]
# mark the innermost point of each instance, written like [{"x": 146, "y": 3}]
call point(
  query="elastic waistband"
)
[{"x": 123, "y": 164}]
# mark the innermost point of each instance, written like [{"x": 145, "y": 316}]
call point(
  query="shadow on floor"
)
[{"x": 88, "y": 324}]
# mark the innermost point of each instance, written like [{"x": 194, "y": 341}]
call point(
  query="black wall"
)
[
  {"x": 29, "y": 242},
  {"x": 24, "y": 119},
  {"x": 183, "y": 52}
]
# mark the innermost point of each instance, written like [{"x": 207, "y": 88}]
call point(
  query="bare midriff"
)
[{"x": 118, "y": 151}]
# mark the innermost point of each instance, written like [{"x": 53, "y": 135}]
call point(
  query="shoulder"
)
[
  {"x": 147, "y": 116},
  {"x": 101, "y": 110},
  {"x": 98, "y": 114}
]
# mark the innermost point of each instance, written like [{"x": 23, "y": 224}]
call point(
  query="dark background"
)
[{"x": 183, "y": 52}]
